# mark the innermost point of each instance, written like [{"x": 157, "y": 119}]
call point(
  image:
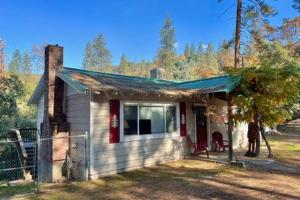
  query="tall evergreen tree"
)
[
  {"x": 226, "y": 54},
  {"x": 16, "y": 62},
  {"x": 102, "y": 54},
  {"x": 124, "y": 65},
  {"x": 26, "y": 64},
  {"x": 89, "y": 57},
  {"x": 296, "y": 5},
  {"x": 97, "y": 56},
  {"x": 37, "y": 55},
  {"x": 167, "y": 50},
  {"x": 193, "y": 53},
  {"x": 187, "y": 52}
]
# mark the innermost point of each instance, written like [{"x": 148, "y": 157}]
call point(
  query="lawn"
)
[{"x": 192, "y": 179}]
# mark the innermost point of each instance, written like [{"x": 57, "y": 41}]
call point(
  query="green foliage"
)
[
  {"x": 296, "y": 5},
  {"x": 97, "y": 56},
  {"x": 26, "y": 64},
  {"x": 16, "y": 62},
  {"x": 270, "y": 89},
  {"x": 124, "y": 65},
  {"x": 11, "y": 89},
  {"x": 167, "y": 51}
]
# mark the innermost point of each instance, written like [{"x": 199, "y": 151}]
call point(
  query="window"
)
[
  {"x": 171, "y": 119},
  {"x": 130, "y": 120},
  {"x": 149, "y": 119}
]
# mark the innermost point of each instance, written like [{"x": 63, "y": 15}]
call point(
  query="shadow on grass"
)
[{"x": 166, "y": 182}]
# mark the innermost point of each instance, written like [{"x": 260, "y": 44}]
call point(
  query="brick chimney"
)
[
  {"x": 54, "y": 91},
  {"x": 157, "y": 73},
  {"x": 54, "y": 123}
]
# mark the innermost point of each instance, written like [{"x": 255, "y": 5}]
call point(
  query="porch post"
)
[{"x": 230, "y": 126}]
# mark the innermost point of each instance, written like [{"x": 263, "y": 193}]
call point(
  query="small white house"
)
[{"x": 131, "y": 122}]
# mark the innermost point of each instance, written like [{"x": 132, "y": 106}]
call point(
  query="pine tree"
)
[
  {"x": 124, "y": 65},
  {"x": 16, "y": 62},
  {"x": 97, "y": 57},
  {"x": 89, "y": 62},
  {"x": 226, "y": 54},
  {"x": 27, "y": 64},
  {"x": 102, "y": 54},
  {"x": 37, "y": 55},
  {"x": 193, "y": 56},
  {"x": 296, "y": 5},
  {"x": 187, "y": 52},
  {"x": 167, "y": 50},
  {"x": 2, "y": 63}
]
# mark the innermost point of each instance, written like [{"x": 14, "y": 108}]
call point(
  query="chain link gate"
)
[
  {"x": 27, "y": 165},
  {"x": 18, "y": 168}
]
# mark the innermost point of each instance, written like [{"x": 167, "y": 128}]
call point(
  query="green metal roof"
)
[
  {"x": 224, "y": 83},
  {"x": 85, "y": 80}
]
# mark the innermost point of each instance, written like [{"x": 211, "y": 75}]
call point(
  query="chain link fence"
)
[
  {"x": 18, "y": 168},
  {"x": 28, "y": 166}
]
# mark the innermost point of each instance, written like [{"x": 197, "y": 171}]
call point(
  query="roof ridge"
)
[{"x": 121, "y": 75}]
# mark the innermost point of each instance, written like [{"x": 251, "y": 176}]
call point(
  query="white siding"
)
[
  {"x": 40, "y": 113},
  {"x": 77, "y": 107},
  {"x": 111, "y": 158}
]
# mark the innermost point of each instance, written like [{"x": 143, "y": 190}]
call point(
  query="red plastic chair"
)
[
  {"x": 218, "y": 142},
  {"x": 197, "y": 149}
]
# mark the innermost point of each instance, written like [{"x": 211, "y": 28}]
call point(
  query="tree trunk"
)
[
  {"x": 230, "y": 127},
  {"x": 256, "y": 121},
  {"x": 262, "y": 130},
  {"x": 237, "y": 47}
]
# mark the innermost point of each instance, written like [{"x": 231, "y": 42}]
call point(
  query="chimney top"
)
[{"x": 157, "y": 73}]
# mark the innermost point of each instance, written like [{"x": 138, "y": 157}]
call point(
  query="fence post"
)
[{"x": 38, "y": 161}]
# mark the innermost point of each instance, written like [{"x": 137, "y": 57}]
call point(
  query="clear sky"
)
[{"x": 129, "y": 26}]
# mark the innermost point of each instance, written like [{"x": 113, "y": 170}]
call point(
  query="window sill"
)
[{"x": 128, "y": 138}]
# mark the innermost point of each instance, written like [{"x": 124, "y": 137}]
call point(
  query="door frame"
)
[{"x": 207, "y": 127}]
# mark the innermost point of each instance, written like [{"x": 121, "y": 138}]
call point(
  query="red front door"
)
[{"x": 201, "y": 133}]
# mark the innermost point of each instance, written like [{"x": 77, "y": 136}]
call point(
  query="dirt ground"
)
[{"x": 195, "y": 179}]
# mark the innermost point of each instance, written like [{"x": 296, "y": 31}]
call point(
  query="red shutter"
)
[
  {"x": 182, "y": 119},
  {"x": 114, "y": 121}
]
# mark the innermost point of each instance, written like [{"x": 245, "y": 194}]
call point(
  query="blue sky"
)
[{"x": 130, "y": 26}]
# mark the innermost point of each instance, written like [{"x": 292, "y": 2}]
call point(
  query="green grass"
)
[{"x": 22, "y": 189}]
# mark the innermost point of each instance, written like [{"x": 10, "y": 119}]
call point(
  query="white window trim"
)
[{"x": 125, "y": 138}]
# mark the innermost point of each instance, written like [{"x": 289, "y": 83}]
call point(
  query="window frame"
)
[{"x": 124, "y": 138}]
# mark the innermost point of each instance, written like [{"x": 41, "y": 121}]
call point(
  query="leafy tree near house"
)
[
  {"x": 266, "y": 101},
  {"x": 16, "y": 62},
  {"x": 166, "y": 57},
  {"x": 11, "y": 89}
]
